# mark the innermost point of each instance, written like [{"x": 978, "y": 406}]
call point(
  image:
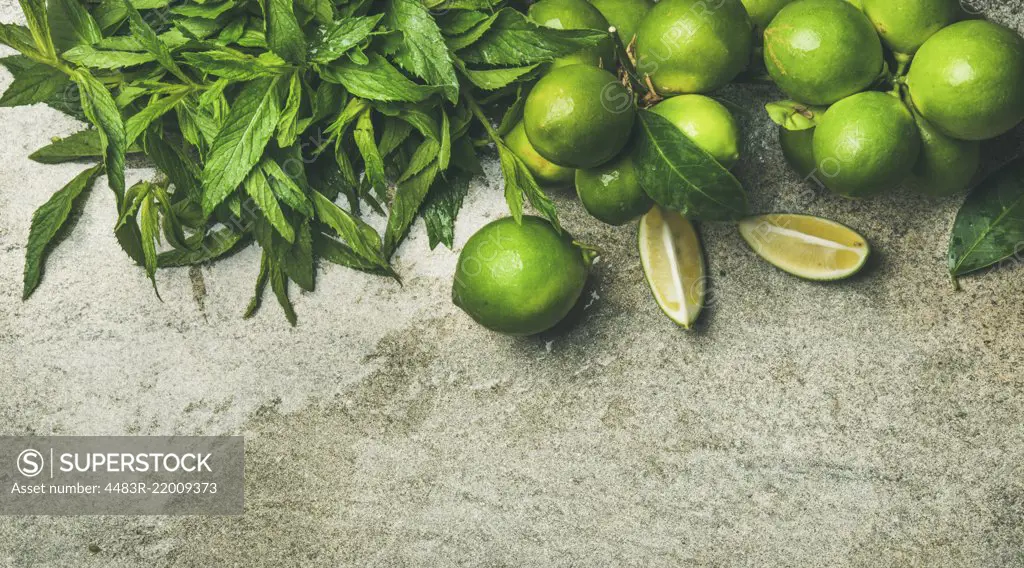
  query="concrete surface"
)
[{"x": 876, "y": 422}]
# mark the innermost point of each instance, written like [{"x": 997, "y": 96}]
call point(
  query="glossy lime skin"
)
[
  {"x": 905, "y": 25},
  {"x": 611, "y": 192},
  {"x": 946, "y": 165},
  {"x": 968, "y": 80},
  {"x": 798, "y": 148},
  {"x": 707, "y": 123},
  {"x": 543, "y": 170},
  {"x": 576, "y": 15},
  {"x": 866, "y": 144},
  {"x": 762, "y": 11},
  {"x": 579, "y": 116},
  {"x": 519, "y": 279},
  {"x": 820, "y": 51},
  {"x": 625, "y": 15},
  {"x": 693, "y": 46}
]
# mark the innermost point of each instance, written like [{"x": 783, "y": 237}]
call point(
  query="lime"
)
[
  {"x": 866, "y": 144},
  {"x": 946, "y": 165},
  {"x": 762, "y": 11},
  {"x": 579, "y": 116},
  {"x": 820, "y": 51},
  {"x": 707, "y": 123},
  {"x": 545, "y": 172},
  {"x": 611, "y": 192},
  {"x": 576, "y": 15},
  {"x": 688, "y": 47},
  {"x": 673, "y": 262},
  {"x": 906, "y": 24},
  {"x": 625, "y": 15},
  {"x": 798, "y": 148},
  {"x": 519, "y": 279},
  {"x": 968, "y": 80},
  {"x": 805, "y": 246}
]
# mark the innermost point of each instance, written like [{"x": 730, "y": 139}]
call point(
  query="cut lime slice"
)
[
  {"x": 673, "y": 262},
  {"x": 806, "y": 246}
]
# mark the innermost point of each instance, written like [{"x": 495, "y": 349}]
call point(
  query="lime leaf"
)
[{"x": 989, "y": 227}]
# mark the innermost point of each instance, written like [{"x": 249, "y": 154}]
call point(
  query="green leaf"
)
[
  {"x": 367, "y": 144},
  {"x": 338, "y": 253},
  {"x": 279, "y": 284},
  {"x": 20, "y": 38},
  {"x": 258, "y": 188},
  {"x": 422, "y": 50},
  {"x": 512, "y": 39},
  {"x": 82, "y": 145},
  {"x": 680, "y": 176},
  {"x": 356, "y": 233},
  {"x": 297, "y": 260},
  {"x": 989, "y": 227},
  {"x": 341, "y": 36},
  {"x": 39, "y": 27},
  {"x": 377, "y": 80},
  {"x": 516, "y": 175},
  {"x": 493, "y": 79},
  {"x": 181, "y": 169},
  {"x": 261, "y": 286},
  {"x": 214, "y": 245},
  {"x": 288, "y": 126},
  {"x": 139, "y": 122},
  {"x": 88, "y": 56},
  {"x": 794, "y": 116},
  {"x": 235, "y": 65},
  {"x": 71, "y": 24},
  {"x": 37, "y": 84},
  {"x": 408, "y": 198},
  {"x": 284, "y": 35},
  {"x": 101, "y": 110},
  {"x": 47, "y": 221},
  {"x": 442, "y": 208},
  {"x": 151, "y": 42},
  {"x": 241, "y": 140},
  {"x": 149, "y": 224},
  {"x": 286, "y": 189}
]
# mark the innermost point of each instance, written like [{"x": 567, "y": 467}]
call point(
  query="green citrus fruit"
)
[
  {"x": 579, "y": 116},
  {"x": 611, "y": 192},
  {"x": 519, "y": 279},
  {"x": 946, "y": 165},
  {"x": 866, "y": 144},
  {"x": 968, "y": 80},
  {"x": 707, "y": 123},
  {"x": 687, "y": 46},
  {"x": 906, "y": 24},
  {"x": 543, "y": 170},
  {"x": 798, "y": 148},
  {"x": 625, "y": 15},
  {"x": 576, "y": 15},
  {"x": 820, "y": 51},
  {"x": 762, "y": 11}
]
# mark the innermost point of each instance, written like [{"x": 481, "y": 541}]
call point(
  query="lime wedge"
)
[
  {"x": 673, "y": 262},
  {"x": 806, "y": 246}
]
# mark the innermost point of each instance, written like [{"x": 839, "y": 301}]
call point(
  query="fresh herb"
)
[
  {"x": 990, "y": 226},
  {"x": 261, "y": 114}
]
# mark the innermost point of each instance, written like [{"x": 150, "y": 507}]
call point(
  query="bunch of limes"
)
[
  {"x": 910, "y": 91},
  {"x": 866, "y": 131}
]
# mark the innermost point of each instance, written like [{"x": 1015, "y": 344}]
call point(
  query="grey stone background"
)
[{"x": 875, "y": 422}]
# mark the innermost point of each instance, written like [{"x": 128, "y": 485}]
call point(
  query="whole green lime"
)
[
  {"x": 905, "y": 25},
  {"x": 798, "y": 148},
  {"x": 519, "y": 279},
  {"x": 579, "y": 116},
  {"x": 543, "y": 170},
  {"x": 946, "y": 165},
  {"x": 576, "y": 15},
  {"x": 866, "y": 144},
  {"x": 968, "y": 80},
  {"x": 820, "y": 51},
  {"x": 707, "y": 123},
  {"x": 762, "y": 11},
  {"x": 687, "y": 46},
  {"x": 611, "y": 192},
  {"x": 625, "y": 15}
]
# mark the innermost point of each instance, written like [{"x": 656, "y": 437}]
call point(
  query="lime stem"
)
[{"x": 622, "y": 51}]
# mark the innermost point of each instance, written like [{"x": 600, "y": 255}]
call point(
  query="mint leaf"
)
[
  {"x": 39, "y": 27},
  {"x": 442, "y": 208},
  {"x": 408, "y": 198},
  {"x": 367, "y": 144},
  {"x": 101, "y": 110},
  {"x": 258, "y": 188},
  {"x": 377, "y": 80},
  {"x": 341, "y": 36},
  {"x": 240, "y": 142},
  {"x": 37, "y": 84},
  {"x": 512, "y": 39},
  {"x": 214, "y": 245},
  {"x": 422, "y": 50},
  {"x": 284, "y": 36},
  {"x": 47, "y": 221},
  {"x": 356, "y": 233},
  {"x": 71, "y": 24}
]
